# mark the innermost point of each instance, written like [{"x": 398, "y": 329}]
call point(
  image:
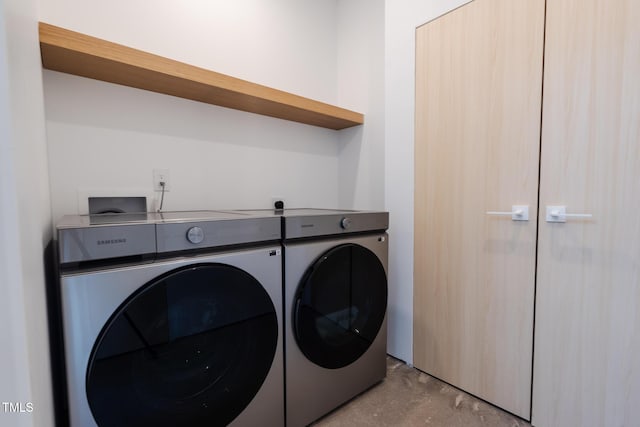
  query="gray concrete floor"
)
[{"x": 408, "y": 397}]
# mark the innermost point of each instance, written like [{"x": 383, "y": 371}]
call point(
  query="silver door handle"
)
[
  {"x": 517, "y": 213},
  {"x": 559, "y": 214}
]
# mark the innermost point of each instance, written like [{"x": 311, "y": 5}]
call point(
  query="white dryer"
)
[{"x": 172, "y": 319}]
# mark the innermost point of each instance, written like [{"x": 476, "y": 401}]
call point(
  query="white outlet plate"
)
[{"x": 160, "y": 175}]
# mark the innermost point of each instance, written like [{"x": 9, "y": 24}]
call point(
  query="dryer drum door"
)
[
  {"x": 340, "y": 305},
  {"x": 191, "y": 348}
]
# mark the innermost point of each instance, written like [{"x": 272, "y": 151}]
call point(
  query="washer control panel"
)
[{"x": 195, "y": 235}]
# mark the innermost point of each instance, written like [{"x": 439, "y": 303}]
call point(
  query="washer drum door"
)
[
  {"x": 190, "y": 348},
  {"x": 340, "y": 305}
]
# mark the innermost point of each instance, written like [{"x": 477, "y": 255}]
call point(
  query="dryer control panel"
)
[
  {"x": 314, "y": 223},
  {"x": 178, "y": 236}
]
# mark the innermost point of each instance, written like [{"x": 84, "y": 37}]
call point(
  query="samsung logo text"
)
[{"x": 111, "y": 241}]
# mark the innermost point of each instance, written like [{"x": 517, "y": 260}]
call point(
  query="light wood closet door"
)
[
  {"x": 478, "y": 100},
  {"x": 587, "y": 347}
]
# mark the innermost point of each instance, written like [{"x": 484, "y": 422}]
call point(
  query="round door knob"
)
[
  {"x": 195, "y": 235},
  {"x": 345, "y": 222}
]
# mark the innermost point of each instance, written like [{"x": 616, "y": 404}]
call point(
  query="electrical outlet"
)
[{"x": 161, "y": 175}]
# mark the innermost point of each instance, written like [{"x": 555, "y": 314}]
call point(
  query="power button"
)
[
  {"x": 345, "y": 223},
  {"x": 195, "y": 235}
]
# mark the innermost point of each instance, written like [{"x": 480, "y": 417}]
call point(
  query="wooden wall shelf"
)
[{"x": 75, "y": 53}]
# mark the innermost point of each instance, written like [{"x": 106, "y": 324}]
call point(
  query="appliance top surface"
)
[
  {"x": 87, "y": 221},
  {"x": 104, "y": 236},
  {"x": 295, "y": 212},
  {"x": 308, "y": 222}
]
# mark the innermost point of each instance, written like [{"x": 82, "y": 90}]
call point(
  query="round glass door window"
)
[
  {"x": 191, "y": 348},
  {"x": 340, "y": 305}
]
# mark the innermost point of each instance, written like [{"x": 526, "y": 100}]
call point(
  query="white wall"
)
[
  {"x": 25, "y": 223},
  {"x": 361, "y": 87},
  {"x": 14, "y": 376},
  {"x": 105, "y": 138},
  {"x": 286, "y": 44},
  {"x": 402, "y": 18},
  {"x": 109, "y": 138}
]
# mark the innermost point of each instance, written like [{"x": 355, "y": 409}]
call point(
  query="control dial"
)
[
  {"x": 195, "y": 235},
  {"x": 345, "y": 222}
]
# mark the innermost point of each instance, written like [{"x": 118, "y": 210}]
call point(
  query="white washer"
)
[{"x": 172, "y": 319}]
